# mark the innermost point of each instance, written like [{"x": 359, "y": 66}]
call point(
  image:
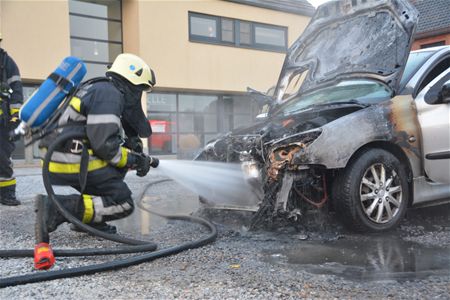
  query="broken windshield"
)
[{"x": 353, "y": 91}]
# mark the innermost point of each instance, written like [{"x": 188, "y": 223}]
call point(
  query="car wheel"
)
[{"x": 371, "y": 193}]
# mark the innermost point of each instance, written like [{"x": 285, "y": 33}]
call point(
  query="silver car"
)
[{"x": 354, "y": 125}]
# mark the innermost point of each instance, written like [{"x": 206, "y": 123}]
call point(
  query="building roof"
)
[
  {"x": 434, "y": 17},
  {"x": 298, "y": 7}
]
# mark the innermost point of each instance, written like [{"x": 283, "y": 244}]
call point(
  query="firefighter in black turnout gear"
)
[
  {"x": 11, "y": 98},
  {"x": 110, "y": 110}
]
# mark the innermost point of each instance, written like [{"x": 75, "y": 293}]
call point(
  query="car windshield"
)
[
  {"x": 415, "y": 61},
  {"x": 355, "y": 91}
]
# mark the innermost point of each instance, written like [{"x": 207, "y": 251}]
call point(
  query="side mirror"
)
[{"x": 444, "y": 94}]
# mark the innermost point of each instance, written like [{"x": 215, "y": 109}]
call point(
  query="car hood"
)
[
  {"x": 273, "y": 130},
  {"x": 348, "y": 39}
]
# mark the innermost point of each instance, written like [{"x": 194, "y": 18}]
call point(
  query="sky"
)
[{"x": 317, "y": 2}]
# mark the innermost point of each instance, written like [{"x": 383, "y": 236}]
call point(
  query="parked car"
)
[{"x": 354, "y": 125}]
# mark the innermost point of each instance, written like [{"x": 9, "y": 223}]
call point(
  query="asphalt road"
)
[{"x": 321, "y": 260}]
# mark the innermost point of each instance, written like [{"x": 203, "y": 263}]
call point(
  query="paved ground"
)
[{"x": 324, "y": 261}]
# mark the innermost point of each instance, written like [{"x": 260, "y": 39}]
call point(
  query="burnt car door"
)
[{"x": 433, "y": 107}]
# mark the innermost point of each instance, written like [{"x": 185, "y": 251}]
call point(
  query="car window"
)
[
  {"x": 364, "y": 91},
  {"x": 432, "y": 94},
  {"x": 415, "y": 61},
  {"x": 438, "y": 69}
]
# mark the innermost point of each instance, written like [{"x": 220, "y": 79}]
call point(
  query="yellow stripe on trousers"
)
[
  {"x": 7, "y": 183},
  {"x": 88, "y": 214}
]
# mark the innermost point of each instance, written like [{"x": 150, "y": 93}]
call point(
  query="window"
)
[
  {"x": 96, "y": 33},
  {"x": 227, "y": 30},
  {"x": 204, "y": 27},
  {"x": 245, "y": 33},
  {"x": 414, "y": 62},
  {"x": 183, "y": 123},
  {"x": 269, "y": 36},
  {"x": 238, "y": 33},
  {"x": 162, "y": 111},
  {"x": 435, "y": 44},
  {"x": 433, "y": 73}
]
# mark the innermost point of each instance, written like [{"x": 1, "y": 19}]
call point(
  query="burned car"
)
[{"x": 357, "y": 123}]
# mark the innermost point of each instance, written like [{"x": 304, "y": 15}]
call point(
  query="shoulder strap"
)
[
  {"x": 2, "y": 65},
  {"x": 93, "y": 80},
  {"x": 52, "y": 122}
]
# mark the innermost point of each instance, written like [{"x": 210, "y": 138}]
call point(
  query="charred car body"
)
[{"x": 351, "y": 124}]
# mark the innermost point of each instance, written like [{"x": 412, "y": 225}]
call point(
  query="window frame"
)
[
  {"x": 108, "y": 42},
  {"x": 432, "y": 44},
  {"x": 202, "y": 37},
  {"x": 236, "y": 33}
]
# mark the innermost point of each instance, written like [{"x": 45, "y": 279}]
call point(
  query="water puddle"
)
[{"x": 379, "y": 259}]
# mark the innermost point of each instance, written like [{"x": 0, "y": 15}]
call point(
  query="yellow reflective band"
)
[
  {"x": 76, "y": 104},
  {"x": 55, "y": 167},
  {"x": 123, "y": 160},
  {"x": 88, "y": 209},
  {"x": 14, "y": 110},
  {"x": 7, "y": 183}
]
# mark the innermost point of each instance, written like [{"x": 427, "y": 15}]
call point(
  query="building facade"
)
[
  {"x": 205, "y": 54},
  {"x": 434, "y": 24}
]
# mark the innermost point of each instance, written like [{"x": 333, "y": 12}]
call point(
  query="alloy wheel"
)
[{"x": 380, "y": 193}]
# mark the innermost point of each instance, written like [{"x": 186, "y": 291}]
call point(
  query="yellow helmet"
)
[{"x": 134, "y": 69}]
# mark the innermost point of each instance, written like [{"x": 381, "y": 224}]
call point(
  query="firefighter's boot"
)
[
  {"x": 8, "y": 196},
  {"x": 50, "y": 217}
]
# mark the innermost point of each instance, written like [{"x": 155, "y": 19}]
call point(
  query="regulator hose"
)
[{"x": 138, "y": 245}]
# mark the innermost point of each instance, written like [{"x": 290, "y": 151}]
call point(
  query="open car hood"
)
[{"x": 348, "y": 39}]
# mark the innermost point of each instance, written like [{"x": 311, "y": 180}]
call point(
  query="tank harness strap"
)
[
  {"x": 84, "y": 163},
  {"x": 2, "y": 65},
  {"x": 65, "y": 84}
]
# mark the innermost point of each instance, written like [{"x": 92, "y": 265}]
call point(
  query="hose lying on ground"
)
[{"x": 137, "y": 245}]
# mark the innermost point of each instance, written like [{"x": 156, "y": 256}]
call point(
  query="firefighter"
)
[
  {"x": 11, "y": 98},
  {"x": 110, "y": 110}
]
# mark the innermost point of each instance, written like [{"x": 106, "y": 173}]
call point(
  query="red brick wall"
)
[{"x": 429, "y": 40}]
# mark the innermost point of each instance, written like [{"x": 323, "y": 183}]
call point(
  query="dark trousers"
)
[
  {"x": 110, "y": 195},
  {"x": 7, "y": 180}
]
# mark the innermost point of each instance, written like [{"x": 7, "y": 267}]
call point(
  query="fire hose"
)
[{"x": 134, "y": 246}]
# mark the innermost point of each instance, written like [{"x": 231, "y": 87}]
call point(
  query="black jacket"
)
[
  {"x": 100, "y": 107},
  {"x": 10, "y": 76}
]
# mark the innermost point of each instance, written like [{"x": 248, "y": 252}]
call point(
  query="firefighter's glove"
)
[
  {"x": 134, "y": 143},
  {"x": 140, "y": 162}
]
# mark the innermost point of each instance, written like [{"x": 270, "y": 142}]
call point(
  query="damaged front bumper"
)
[{"x": 284, "y": 185}]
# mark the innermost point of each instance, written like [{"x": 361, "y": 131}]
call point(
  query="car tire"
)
[{"x": 372, "y": 192}]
